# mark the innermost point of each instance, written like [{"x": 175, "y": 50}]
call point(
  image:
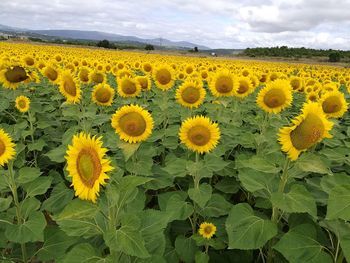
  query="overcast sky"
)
[{"x": 214, "y": 23}]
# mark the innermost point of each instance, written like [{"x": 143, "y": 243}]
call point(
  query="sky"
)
[{"x": 214, "y": 23}]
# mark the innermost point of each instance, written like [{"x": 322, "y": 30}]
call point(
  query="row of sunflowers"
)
[{"x": 171, "y": 158}]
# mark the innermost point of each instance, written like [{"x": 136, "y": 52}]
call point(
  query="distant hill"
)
[{"x": 96, "y": 35}]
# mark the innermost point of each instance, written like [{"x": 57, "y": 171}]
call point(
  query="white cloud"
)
[{"x": 219, "y": 23}]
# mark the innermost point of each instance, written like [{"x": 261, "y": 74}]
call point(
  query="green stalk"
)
[
  {"x": 30, "y": 119},
  {"x": 13, "y": 187},
  {"x": 275, "y": 211}
]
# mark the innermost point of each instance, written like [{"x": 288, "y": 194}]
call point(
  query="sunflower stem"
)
[
  {"x": 13, "y": 187},
  {"x": 30, "y": 119},
  {"x": 275, "y": 212}
]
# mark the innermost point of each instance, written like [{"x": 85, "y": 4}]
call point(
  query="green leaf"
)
[
  {"x": 217, "y": 206},
  {"x": 257, "y": 163},
  {"x": 247, "y": 230},
  {"x": 31, "y": 230},
  {"x": 38, "y": 187},
  {"x": 128, "y": 149},
  {"x": 297, "y": 200},
  {"x": 37, "y": 145},
  {"x": 339, "y": 203},
  {"x": 56, "y": 242},
  {"x": 312, "y": 163},
  {"x": 57, "y": 154},
  {"x": 59, "y": 198},
  {"x": 228, "y": 185},
  {"x": 214, "y": 163},
  {"x": 175, "y": 166},
  {"x": 76, "y": 219},
  {"x": 177, "y": 208},
  {"x": 28, "y": 206},
  {"x": 300, "y": 245},
  {"x": 254, "y": 180},
  {"x": 128, "y": 240},
  {"x": 328, "y": 182},
  {"x": 27, "y": 174},
  {"x": 82, "y": 253},
  {"x": 201, "y": 257},
  {"x": 200, "y": 195},
  {"x": 185, "y": 248},
  {"x": 5, "y": 203}
]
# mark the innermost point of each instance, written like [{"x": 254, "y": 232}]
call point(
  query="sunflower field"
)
[{"x": 113, "y": 156}]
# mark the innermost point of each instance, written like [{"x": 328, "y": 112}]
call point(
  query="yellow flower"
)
[
  {"x": 190, "y": 94},
  {"x": 22, "y": 103},
  {"x": 96, "y": 77},
  {"x": 7, "y": 148},
  {"x": 70, "y": 87},
  {"x": 163, "y": 77},
  {"x": 145, "y": 82},
  {"x": 132, "y": 123},
  {"x": 128, "y": 87},
  {"x": 199, "y": 134},
  {"x": 245, "y": 87},
  {"x": 87, "y": 166},
  {"x": 275, "y": 96},
  {"x": 207, "y": 230},
  {"x": 103, "y": 94},
  {"x": 223, "y": 84},
  {"x": 12, "y": 76},
  {"x": 333, "y": 104},
  {"x": 84, "y": 74},
  {"x": 308, "y": 129},
  {"x": 51, "y": 72}
]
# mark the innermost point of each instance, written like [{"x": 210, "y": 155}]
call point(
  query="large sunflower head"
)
[
  {"x": 96, "y": 77},
  {"x": 163, "y": 77},
  {"x": 308, "y": 129},
  {"x": 145, "y": 82},
  {"x": 70, "y": 87},
  {"x": 103, "y": 94},
  {"x": 7, "y": 148},
  {"x": 147, "y": 67},
  {"x": 245, "y": 87},
  {"x": 12, "y": 76},
  {"x": 223, "y": 84},
  {"x": 87, "y": 166},
  {"x": 29, "y": 61},
  {"x": 199, "y": 134},
  {"x": 296, "y": 83},
  {"x": 128, "y": 87},
  {"x": 84, "y": 74},
  {"x": 51, "y": 72},
  {"x": 334, "y": 104},
  {"x": 275, "y": 96},
  {"x": 22, "y": 103},
  {"x": 132, "y": 123},
  {"x": 190, "y": 94}
]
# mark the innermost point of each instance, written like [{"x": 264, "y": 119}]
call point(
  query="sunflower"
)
[
  {"x": 29, "y": 61},
  {"x": 84, "y": 74},
  {"x": 163, "y": 77},
  {"x": 296, "y": 83},
  {"x": 103, "y": 94},
  {"x": 51, "y": 72},
  {"x": 70, "y": 87},
  {"x": 223, "y": 84},
  {"x": 132, "y": 123},
  {"x": 96, "y": 77},
  {"x": 199, "y": 134},
  {"x": 147, "y": 67},
  {"x": 87, "y": 166},
  {"x": 190, "y": 94},
  {"x": 128, "y": 87},
  {"x": 275, "y": 96},
  {"x": 207, "y": 230},
  {"x": 7, "y": 148},
  {"x": 12, "y": 76},
  {"x": 334, "y": 104},
  {"x": 145, "y": 82},
  {"x": 308, "y": 129},
  {"x": 22, "y": 103},
  {"x": 312, "y": 96},
  {"x": 245, "y": 87}
]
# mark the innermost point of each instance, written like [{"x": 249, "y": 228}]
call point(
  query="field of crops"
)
[{"x": 112, "y": 156}]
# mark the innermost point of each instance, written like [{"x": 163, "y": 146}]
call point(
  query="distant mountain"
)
[{"x": 96, "y": 35}]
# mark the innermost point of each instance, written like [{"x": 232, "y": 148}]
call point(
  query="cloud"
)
[{"x": 220, "y": 23}]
